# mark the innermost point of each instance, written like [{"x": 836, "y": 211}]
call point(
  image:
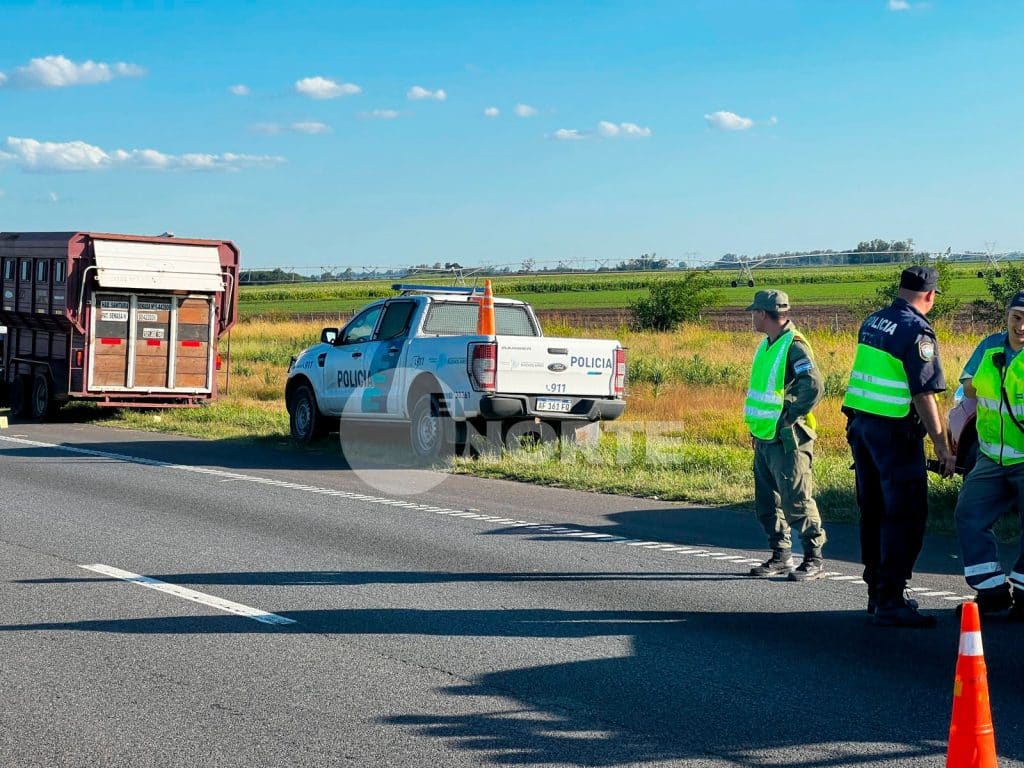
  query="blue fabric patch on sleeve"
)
[{"x": 803, "y": 365}]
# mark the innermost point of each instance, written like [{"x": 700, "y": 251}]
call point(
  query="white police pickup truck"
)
[{"x": 417, "y": 359}]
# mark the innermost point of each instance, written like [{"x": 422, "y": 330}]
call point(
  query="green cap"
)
[{"x": 770, "y": 301}]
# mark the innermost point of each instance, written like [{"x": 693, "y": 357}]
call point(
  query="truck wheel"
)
[
  {"x": 42, "y": 402},
  {"x": 431, "y": 435},
  {"x": 304, "y": 417},
  {"x": 18, "y": 396}
]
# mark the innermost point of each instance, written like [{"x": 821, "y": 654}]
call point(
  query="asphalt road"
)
[{"x": 473, "y": 623}]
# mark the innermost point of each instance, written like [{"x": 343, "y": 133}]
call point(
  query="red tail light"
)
[
  {"x": 483, "y": 365},
  {"x": 217, "y": 362},
  {"x": 619, "y": 382},
  {"x": 78, "y": 358}
]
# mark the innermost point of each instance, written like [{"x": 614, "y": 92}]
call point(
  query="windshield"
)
[{"x": 459, "y": 319}]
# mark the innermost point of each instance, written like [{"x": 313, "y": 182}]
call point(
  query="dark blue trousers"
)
[{"x": 892, "y": 493}]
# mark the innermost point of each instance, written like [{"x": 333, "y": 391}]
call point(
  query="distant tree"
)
[
  {"x": 671, "y": 302},
  {"x": 1000, "y": 291},
  {"x": 945, "y": 304}
]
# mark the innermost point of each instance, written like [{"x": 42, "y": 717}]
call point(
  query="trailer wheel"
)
[
  {"x": 18, "y": 397},
  {"x": 42, "y": 402},
  {"x": 306, "y": 422}
]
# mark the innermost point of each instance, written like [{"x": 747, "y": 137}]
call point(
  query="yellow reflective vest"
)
[
  {"x": 998, "y": 437},
  {"x": 878, "y": 384},
  {"x": 765, "y": 395}
]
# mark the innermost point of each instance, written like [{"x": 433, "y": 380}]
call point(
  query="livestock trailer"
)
[{"x": 121, "y": 320}]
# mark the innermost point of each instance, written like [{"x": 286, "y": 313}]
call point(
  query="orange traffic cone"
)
[
  {"x": 485, "y": 317},
  {"x": 972, "y": 742}
]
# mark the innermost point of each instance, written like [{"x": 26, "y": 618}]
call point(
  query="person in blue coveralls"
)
[{"x": 995, "y": 376}]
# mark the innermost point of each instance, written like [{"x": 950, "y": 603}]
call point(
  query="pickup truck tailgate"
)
[{"x": 543, "y": 365}]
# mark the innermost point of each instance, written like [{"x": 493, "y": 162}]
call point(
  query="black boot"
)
[
  {"x": 812, "y": 568},
  {"x": 779, "y": 564},
  {"x": 898, "y": 612}
]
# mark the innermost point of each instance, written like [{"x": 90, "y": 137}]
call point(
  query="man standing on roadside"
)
[
  {"x": 995, "y": 376},
  {"x": 897, "y": 366},
  {"x": 784, "y": 386}
]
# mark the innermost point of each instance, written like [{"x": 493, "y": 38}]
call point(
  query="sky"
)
[{"x": 380, "y": 134}]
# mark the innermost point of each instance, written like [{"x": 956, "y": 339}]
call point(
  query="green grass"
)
[{"x": 806, "y": 287}]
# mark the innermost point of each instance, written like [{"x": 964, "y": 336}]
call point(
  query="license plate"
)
[{"x": 557, "y": 404}]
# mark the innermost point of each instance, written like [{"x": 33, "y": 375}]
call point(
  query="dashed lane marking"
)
[
  {"x": 190, "y": 594},
  {"x": 466, "y": 514}
]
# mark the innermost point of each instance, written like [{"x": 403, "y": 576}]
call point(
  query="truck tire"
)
[
  {"x": 304, "y": 418},
  {"x": 19, "y": 397},
  {"x": 431, "y": 435},
  {"x": 41, "y": 402}
]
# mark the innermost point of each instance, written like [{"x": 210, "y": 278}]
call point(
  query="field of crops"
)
[{"x": 806, "y": 285}]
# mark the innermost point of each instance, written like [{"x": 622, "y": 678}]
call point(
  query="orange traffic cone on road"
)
[
  {"x": 485, "y": 317},
  {"x": 972, "y": 742}
]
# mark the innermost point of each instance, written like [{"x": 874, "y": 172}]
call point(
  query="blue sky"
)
[{"x": 360, "y": 134}]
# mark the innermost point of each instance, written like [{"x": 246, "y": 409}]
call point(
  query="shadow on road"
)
[{"x": 815, "y": 689}]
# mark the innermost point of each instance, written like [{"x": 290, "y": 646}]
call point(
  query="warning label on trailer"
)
[
  {"x": 159, "y": 306},
  {"x": 152, "y": 333},
  {"x": 114, "y": 315},
  {"x": 147, "y": 317},
  {"x": 111, "y": 304}
]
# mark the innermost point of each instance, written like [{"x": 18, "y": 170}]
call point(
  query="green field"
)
[{"x": 808, "y": 286}]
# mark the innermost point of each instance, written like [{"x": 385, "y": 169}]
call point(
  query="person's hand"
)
[{"x": 946, "y": 460}]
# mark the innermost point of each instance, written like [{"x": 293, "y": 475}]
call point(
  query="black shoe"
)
[
  {"x": 779, "y": 564},
  {"x": 899, "y": 613},
  {"x": 810, "y": 569},
  {"x": 994, "y": 601},
  {"x": 873, "y": 603}
]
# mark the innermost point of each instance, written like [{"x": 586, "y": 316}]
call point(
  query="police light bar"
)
[{"x": 415, "y": 288}]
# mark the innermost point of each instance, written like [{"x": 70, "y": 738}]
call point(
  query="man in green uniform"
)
[{"x": 785, "y": 384}]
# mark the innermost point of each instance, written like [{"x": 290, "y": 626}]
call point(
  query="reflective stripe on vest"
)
[
  {"x": 765, "y": 395},
  {"x": 998, "y": 437},
  {"x": 878, "y": 384}
]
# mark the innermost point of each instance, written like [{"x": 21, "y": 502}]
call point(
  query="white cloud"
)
[
  {"x": 311, "y": 127},
  {"x": 728, "y": 121},
  {"x": 240, "y": 90},
  {"x": 568, "y": 134},
  {"x": 492, "y": 112},
  {"x": 773, "y": 120},
  {"x": 265, "y": 129},
  {"x": 325, "y": 88},
  {"x": 629, "y": 130},
  {"x": 525, "y": 110},
  {"x": 61, "y": 72},
  {"x": 899, "y": 5},
  {"x": 418, "y": 93},
  {"x": 33, "y": 155},
  {"x": 380, "y": 114}
]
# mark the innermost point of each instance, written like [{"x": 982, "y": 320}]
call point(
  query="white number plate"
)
[{"x": 558, "y": 404}]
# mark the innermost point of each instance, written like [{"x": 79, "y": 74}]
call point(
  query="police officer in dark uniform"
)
[{"x": 890, "y": 404}]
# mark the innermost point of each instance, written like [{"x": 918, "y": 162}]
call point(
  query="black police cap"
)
[{"x": 920, "y": 279}]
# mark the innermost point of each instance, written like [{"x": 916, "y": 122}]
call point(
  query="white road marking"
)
[
  {"x": 190, "y": 594},
  {"x": 468, "y": 513}
]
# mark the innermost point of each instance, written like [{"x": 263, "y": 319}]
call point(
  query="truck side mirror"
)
[{"x": 329, "y": 335}]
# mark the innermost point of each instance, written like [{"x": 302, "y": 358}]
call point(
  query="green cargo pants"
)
[{"x": 783, "y": 487}]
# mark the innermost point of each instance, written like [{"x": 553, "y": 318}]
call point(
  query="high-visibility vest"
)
[
  {"x": 878, "y": 384},
  {"x": 767, "y": 385},
  {"x": 998, "y": 437}
]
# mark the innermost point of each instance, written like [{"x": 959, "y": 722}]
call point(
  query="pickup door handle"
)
[
  {"x": 321, "y": 359},
  {"x": 357, "y": 354},
  {"x": 393, "y": 350}
]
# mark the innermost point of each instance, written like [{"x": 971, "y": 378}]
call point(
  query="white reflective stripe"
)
[
  {"x": 764, "y": 397},
  {"x": 880, "y": 398},
  {"x": 1018, "y": 579},
  {"x": 757, "y": 413},
  {"x": 992, "y": 405},
  {"x": 970, "y": 644},
  {"x": 978, "y": 570},
  {"x": 995, "y": 581},
  {"x": 1005, "y": 451},
  {"x": 893, "y": 383}
]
